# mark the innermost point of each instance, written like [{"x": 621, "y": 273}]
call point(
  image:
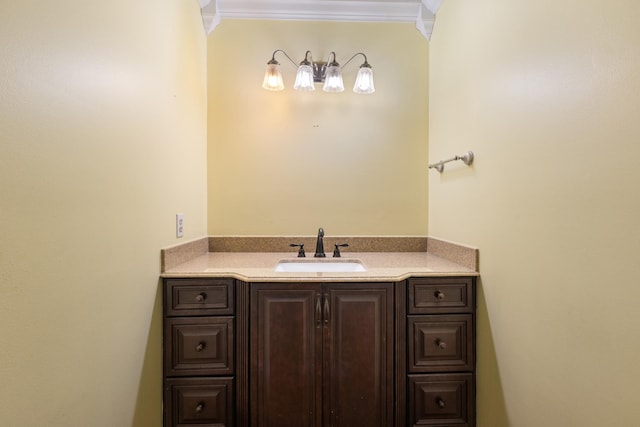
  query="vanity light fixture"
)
[{"x": 310, "y": 72}]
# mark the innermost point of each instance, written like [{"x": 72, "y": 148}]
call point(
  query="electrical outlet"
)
[{"x": 179, "y": 225}]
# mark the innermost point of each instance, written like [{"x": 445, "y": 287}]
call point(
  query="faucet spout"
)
[{"x": 320, "y": 245}]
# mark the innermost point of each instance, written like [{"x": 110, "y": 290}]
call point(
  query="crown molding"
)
[{"x": 422, "y": 12}]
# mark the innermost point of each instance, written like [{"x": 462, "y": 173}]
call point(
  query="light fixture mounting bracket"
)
[{"x": 319, "y": 71}]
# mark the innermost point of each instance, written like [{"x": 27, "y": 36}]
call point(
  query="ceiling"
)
[{"x": 422, "y": 12}]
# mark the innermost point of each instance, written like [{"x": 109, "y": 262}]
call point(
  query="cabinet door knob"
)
[
  {"x": 439, "y": 295},
  {"x": 201, "y": 297},
  {"x": 201, "y": 345},
  {"x": 441, "y": 403},
  {"x": 200, "y": 407},
  {"x": 441, "y": 344}
]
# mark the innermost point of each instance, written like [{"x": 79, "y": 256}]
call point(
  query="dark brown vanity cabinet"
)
[
  {"x": 441, "y": 351},
  {"x": 321, "y": 354},
  {"x": 199, "y": 358}
]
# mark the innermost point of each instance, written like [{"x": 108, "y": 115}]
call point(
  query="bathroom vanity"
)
[{"x": 246, "y": 345}]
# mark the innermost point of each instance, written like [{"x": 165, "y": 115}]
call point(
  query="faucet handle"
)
[
  {"x": 336, "y": 251},
  {"x": 301, "y": 253}
]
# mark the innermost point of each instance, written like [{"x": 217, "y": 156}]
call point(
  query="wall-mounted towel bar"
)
[{"x": 466, "y": 157}]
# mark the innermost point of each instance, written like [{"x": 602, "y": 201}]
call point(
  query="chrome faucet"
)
[{"x": 320, "y": 245}]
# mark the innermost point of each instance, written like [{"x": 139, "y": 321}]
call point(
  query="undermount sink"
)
[{"x": 320, "y": 266}]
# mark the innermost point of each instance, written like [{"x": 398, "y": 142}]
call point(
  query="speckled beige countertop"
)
[{"x": 254, "y": 259}]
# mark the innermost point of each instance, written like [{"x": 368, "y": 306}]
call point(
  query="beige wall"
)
[
  {"x": 547, "y": 94},
  {"x": 102, "y": 141},
  {"x": 288, "y": 162}
]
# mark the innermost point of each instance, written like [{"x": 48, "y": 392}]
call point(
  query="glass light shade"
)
[
  {"x": 273, "y": 77},
  {"x": 364, "y": 81},
  {"x": 304, "y": 78},
  {"x": 333, "y": 79}
]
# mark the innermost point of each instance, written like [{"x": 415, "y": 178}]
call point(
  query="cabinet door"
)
[
  {"x": 285, "y": 371},
  {"x": 442, "y": 400},
  {"x": 358, "y": 360},
  {"x": 198, "y": 346},
  {"x": 193, "y": 402},
  {"x": 199, "y": 297},
  {"x": 441, "y": 343}
]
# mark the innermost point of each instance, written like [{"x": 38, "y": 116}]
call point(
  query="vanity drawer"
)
[
  {"x": 194, "y": 402},
  {"x": 441, "y": 343},
  {"x": 442, "y": 400},
  {"x": 430, "y": 295},
  {"x": 198, "y": 346},
  {"x": 198, "y": 297}
]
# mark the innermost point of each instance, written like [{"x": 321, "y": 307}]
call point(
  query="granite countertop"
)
[{"x": 227, "y": 257}]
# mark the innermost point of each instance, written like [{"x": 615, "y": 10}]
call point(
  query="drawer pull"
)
[
  {"x": 441, "y": 404},
  {"x": 200, "y": 407},
  {"x": 201, "y": 346},
  {"x": 327, "y": 312},
  {"x": 441, "y": 344},
  {"x": 201, "y": 297},
  {"x": 439, "y": 295}
]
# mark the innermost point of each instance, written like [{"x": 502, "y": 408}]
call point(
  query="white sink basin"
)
[{"x": 320, "y": 266}]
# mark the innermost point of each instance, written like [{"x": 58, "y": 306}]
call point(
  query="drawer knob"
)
[
  {"x": 200, "y": 407},
  {"x": 201, "y": 345},
  {"x": 441, "y": 344},
  {"x": 201, "y": 297},
  {"x": 439, "y": 295},
  {"x": 441, "y": 403}
]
